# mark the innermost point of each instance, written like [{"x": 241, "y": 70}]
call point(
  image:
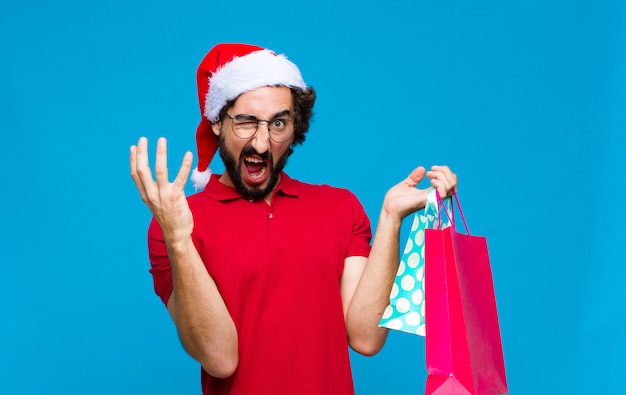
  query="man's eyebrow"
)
[
  {"x": 249, "y": 117},
  {"x": 246, "y": 117},
  {"x": 282, "y": 113}
]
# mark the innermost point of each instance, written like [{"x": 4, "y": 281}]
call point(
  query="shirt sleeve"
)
[
  {"x": 361, "y": 229},
  {"x": 159, "y": 262}
]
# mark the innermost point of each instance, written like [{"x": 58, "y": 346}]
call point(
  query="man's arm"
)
[
  {"x": 204, "y": 325},
  {"x": 366, "y": 282}
]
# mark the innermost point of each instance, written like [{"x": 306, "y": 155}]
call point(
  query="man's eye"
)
[
  {"x": 278, "y": 123},
  {"x": 246, "y": 124}
]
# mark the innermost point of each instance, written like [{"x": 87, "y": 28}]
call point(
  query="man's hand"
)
[
  {"x": 366, "y": 284},
  {"x": 404, "y": 199},
  {"x": 166, "y": 200},
  {"x": 204, "y": 324}
]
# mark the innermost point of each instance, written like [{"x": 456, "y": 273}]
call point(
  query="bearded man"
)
[{"x": 268, "y": 279}]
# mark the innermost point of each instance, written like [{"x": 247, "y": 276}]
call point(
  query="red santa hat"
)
[{"x": 227, "y": 71}]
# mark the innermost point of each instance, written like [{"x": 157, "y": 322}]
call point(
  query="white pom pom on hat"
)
[{"x": 227, "y": 71}]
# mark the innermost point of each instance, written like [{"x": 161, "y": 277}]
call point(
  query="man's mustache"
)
[{"x": 249, "y": 150}]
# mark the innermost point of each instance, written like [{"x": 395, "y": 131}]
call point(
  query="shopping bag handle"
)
[{"x": 451, "y": 214}]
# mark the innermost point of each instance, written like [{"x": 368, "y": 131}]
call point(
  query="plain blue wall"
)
[{"x": 524, "y": 99}]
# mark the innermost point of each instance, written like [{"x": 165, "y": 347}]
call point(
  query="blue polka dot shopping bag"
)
[{"x": 406, "y": 310}]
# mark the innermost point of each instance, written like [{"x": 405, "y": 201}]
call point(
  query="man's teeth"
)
[
  {"x": 257, "y": 176},
  {"x": 261, "y": 172}
]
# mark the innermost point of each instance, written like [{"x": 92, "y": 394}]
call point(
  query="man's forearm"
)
[
  {"x": 204, "y": 324},
  {"x": 372, "y": 294}
]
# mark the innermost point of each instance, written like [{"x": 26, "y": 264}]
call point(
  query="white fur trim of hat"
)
[{"x": 246, "y": 73}]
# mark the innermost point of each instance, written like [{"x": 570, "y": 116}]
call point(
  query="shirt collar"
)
[
  {"x": 287, "y": 186},
  {"x": 222, "y": 192}
]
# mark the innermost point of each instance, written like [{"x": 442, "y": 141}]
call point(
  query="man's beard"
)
[{"x": 233, "y": 167}]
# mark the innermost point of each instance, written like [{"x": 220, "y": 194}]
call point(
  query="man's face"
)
[{"x": 253, "y": 165}]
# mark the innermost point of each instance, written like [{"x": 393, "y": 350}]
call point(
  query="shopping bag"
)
[
  {"x": 463, "y": 344},
  {"x": 405, "y": 311}
]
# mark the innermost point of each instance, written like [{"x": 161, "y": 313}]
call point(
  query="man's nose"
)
[{"x": 261, "y": 139}]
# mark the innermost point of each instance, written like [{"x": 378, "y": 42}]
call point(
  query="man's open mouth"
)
[{"x": 255, "y": 167}]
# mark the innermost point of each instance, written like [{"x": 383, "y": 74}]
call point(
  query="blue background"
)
[{"x": 524, "y": 99}]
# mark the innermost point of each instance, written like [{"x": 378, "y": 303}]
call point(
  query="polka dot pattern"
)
[{"x": 406, "y": 302}]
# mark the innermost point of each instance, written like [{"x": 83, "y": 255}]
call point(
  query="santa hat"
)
[{"x": 227, "y": 71}]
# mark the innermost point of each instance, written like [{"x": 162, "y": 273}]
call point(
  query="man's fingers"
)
[
  {"x": 183, "y": 173},
  {"x": 415, "y": 177},
  {"x": 442, "y": 178},
  {"x": 148, "y": 189},
  {"x": 154, "y": 193},
  {"x": 141, "y": 160},
  {"x": 133, "y": 162},
  {"x": 133, "y": 172},
  {"x": 160, "y": 167},
  {"x": 142, "y": 175}
]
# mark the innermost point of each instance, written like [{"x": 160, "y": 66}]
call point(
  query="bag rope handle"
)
[{"x": 451, "y": 215}]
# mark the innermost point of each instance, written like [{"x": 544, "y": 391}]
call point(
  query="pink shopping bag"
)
[{"x": 463, "y": 344}]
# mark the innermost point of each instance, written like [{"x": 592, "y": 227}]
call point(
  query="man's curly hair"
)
[{"x": 303, "y": 101}]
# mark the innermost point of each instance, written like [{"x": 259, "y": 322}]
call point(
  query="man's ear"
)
[{"x": 216, "y": 127}]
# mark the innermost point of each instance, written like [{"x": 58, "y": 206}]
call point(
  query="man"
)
[{"x": 268, "y": 279}]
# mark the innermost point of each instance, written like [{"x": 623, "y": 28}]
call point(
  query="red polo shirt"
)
[{"x": 278, "y": 268}]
